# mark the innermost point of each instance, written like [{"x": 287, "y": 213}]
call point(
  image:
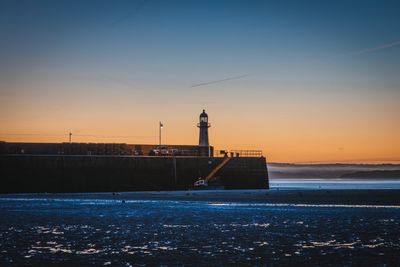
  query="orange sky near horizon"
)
[{"x": 336, "y": 128}]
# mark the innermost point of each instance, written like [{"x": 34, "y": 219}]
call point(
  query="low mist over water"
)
[{"x": 333, "y": 183}]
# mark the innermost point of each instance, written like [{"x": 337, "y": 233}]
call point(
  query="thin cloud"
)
[
  {"x": 220, "y": 81},
  {"x": 376, "y": 48}
]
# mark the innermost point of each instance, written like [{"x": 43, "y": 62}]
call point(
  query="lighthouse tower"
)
[{"x": 203, "y": 125}]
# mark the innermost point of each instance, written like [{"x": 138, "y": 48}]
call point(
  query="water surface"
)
[{"x": 75, "y": 231}]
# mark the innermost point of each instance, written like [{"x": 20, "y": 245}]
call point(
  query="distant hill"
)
[
  {"x": 394, "y": 174},
  {"x": 329, "y": 171}
]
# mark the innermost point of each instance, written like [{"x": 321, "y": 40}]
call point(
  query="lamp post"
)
[{"x": 159, "y": 132}]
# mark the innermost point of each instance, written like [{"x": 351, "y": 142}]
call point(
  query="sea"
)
[{"x": 80, "y": 231}]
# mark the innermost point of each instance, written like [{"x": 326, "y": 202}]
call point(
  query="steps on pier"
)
[{"x": 216, "y": 169}]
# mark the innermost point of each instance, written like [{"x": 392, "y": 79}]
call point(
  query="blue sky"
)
[{"x": 194, "y": 38}]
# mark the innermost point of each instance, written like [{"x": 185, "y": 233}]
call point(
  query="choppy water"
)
[{"x": 79, "y": 232}]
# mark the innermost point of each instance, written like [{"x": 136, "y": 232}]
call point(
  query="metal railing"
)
[{"x": 239, "y": 153}]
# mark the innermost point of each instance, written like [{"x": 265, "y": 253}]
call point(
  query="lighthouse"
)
[{"x": 203, "y": 125}]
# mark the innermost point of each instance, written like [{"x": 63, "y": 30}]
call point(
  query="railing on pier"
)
[{"x": 240, "y": 153}]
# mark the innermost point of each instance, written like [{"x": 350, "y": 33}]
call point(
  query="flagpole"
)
[{"x": 159, "y": 133}]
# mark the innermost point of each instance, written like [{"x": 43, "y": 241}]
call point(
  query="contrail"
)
[
  {"x": 133, "y": 12},
  {"x": 81, "y": 135},
  {"x": 376, "y": 48},
  {"x": 116, "y": 136},
  {"x": 34, "y": 134},
  {"x": 118, "y": 81},
  {"x": 364, "y": 51},
  {"x": 220, "y": 81}
]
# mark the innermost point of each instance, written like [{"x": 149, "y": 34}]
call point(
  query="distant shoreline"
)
[{"x": 330, "y": 171}]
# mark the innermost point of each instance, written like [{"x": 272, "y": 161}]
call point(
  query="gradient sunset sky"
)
[{"x": 301, "y": 80}]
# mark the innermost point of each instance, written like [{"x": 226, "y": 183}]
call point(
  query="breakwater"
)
[{"x": 92, "y": 173}]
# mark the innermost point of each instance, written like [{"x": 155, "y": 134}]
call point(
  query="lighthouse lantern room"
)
[{"x": 203, "y": 126}]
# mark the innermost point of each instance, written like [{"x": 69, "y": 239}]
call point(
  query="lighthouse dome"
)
[{"x": 203, "y": 114}]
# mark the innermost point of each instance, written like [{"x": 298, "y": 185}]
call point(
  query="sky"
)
[{"x": 304, "y": 81}]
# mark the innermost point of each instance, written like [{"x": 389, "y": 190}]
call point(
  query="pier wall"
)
[{"x": 90, "y": 173}]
